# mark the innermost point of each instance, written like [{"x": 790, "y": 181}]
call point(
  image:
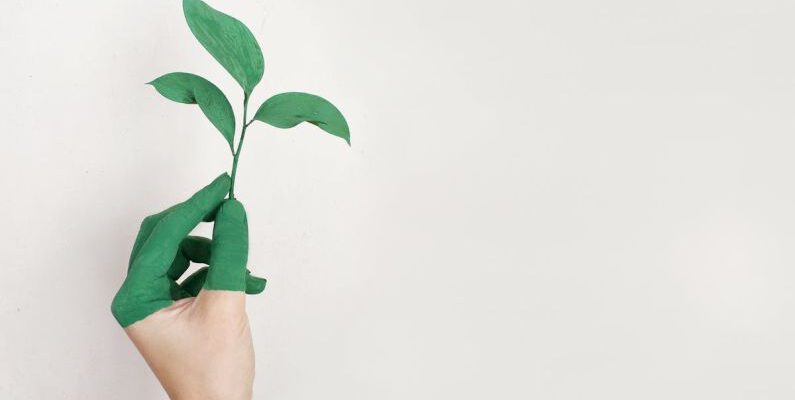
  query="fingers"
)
[
  {"x": 194, "y": 283},
  {"x": 156, "y": 255},
  {"x": 147, "y": 225},
  {"x": 159, "y": 249},
  {"x": 192, "y": 248},
  {"x": 229, "y": 249},
  {"x": 255, "y": 284},
  {"x": 222, "y": 293},
  {"x": 197, "y": 249}
]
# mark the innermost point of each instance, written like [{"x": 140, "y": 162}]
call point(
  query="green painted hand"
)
[
  {"x": 195, "y": 334},
  {"x": 163, "y": 251}
]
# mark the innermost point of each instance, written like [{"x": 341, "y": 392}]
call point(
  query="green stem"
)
[{"x": 239, "y": 146}]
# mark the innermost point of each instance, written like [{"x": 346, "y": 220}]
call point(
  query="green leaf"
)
[
  {"x": 287, "y": 110},
  {"x": 186, "y": 88},
  {"x": 228, "y": 40}
]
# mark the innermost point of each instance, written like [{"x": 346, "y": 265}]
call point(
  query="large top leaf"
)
[
  {"x": 186, "y": 88},
  {"x": 287, "y": 110},
  {"x": 228, "y": 40}
]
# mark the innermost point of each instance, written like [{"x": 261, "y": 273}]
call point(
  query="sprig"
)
[{"x": 233, "y": 45}]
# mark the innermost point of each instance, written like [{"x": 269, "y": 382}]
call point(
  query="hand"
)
[{"x": 195, "y": 335}]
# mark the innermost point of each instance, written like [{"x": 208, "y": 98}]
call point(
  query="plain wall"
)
[{"x": 543, "y": 200}]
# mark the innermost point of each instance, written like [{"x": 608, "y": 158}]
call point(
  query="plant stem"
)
[{"x": 239, "y": 146}]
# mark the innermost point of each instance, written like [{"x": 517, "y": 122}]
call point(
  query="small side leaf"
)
[
  {"x": 287, "y": 110},
  {"x": 228, "y": 40},
  {"x": 186, "y": 88}
]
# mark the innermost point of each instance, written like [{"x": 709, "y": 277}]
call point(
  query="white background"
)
[{"x": 544, "y": 199}]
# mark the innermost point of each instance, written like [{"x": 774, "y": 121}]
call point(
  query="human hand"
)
[{"x": 195, "y": 335}]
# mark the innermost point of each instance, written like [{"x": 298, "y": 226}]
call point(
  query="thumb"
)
[{"x": 229, "y": 251}]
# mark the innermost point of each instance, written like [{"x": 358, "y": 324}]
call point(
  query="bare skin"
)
[{"x": 200, "y": 347}]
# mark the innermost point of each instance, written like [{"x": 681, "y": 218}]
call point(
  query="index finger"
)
[{"x": 157, "y": 253}]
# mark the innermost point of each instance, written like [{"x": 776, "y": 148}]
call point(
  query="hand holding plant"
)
[{"x": 194, "y": 334}]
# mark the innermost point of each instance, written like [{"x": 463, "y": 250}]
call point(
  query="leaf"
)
[
  {"x": 287, "y": 110},
  {"x": 228, "y": 41},
  {"x": 186, "y": 88}
]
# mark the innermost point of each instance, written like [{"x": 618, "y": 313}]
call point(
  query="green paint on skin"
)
[
  {"x": 198, "y": 249},
  {"x": 163, "y": 250},
  {"x": 229, "y": 249},
  {"x": 194, "y": 283}
]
